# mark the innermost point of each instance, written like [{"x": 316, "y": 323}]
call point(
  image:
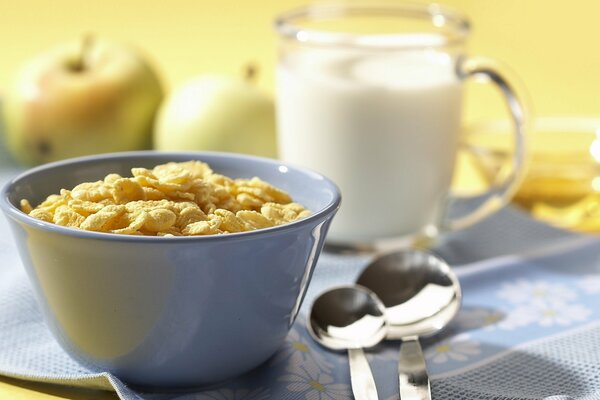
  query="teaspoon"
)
[
  {"x": 421, "y": 295},
  {"x": 350, "y": 318}
]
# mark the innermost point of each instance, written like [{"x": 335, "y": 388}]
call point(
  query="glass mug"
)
[{"x": 378, "y": 110}]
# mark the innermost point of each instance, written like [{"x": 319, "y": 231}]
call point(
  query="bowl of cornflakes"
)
[{"x": 170, "y": 269}]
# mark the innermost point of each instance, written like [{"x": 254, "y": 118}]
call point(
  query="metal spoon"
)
[
  {"x": 350, "y": 318},
  {"x": 421, "y": 295}
]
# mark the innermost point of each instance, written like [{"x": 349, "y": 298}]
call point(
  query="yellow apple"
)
[
  {"x": 217, "y": 113},
  {"x": 81, "y": 98}
]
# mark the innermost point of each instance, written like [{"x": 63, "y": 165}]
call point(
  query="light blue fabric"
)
[{"x": 528, "y": 329}]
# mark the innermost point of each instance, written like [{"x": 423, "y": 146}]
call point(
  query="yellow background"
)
[{"x": 551, "y": 44}]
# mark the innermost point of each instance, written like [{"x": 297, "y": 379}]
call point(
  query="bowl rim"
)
[{"x": 18, "y": 215}]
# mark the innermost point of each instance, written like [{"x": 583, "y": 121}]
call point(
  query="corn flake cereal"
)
[{"x": 173, "y": 199}]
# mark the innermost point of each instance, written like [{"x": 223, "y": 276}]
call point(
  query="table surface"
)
[{"x": 19, "y": 389}]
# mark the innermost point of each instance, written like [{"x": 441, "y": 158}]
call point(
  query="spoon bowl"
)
[
  {"x": 347, "y": 317},
  {"x": 420, "y": 292}
]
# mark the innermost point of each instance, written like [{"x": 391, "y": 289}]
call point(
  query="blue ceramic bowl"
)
[{"x": 170, "y": 312}]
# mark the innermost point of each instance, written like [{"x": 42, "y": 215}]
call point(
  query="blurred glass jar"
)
[{"x": 562, "y": 182}]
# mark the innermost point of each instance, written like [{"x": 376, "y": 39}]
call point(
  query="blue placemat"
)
[{"x": 528, "y": 329}]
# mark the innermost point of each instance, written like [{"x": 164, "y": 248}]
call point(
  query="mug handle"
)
[{"x": 501, "y": 192}]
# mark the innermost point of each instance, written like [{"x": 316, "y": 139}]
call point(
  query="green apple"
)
[
  {"x": 80, "y": 98},
  {"x": 217, "y": 113}
]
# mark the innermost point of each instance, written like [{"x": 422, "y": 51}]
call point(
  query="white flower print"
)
[
  {"x": 296, "y": 351},
  {"x": 237, "y": 394},
  {"x": 457, "y": 348},
  {"x": 315, "y": 385},
  {"x": 478, "y": 318},
  {"x": 554, "y": 314},
  {"x": 590, "y": 284},
  {"x": 517, "y": 317},
  {"x": 523, "y": 291}
]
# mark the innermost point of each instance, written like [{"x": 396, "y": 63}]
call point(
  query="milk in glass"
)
[{"x": 384, "y": 126}]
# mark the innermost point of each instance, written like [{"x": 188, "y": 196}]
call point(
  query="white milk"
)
[{"x": 384, "y": 127}]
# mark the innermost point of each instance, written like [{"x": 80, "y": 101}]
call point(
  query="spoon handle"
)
[
  {"x": 412, "y": 371},
  {"x": 361, "y": 377}
]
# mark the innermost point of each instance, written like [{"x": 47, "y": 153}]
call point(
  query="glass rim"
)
[{"x": 439, "y": 16}]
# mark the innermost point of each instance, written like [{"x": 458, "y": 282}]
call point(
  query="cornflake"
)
[{"x": 173, "y": 199}]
